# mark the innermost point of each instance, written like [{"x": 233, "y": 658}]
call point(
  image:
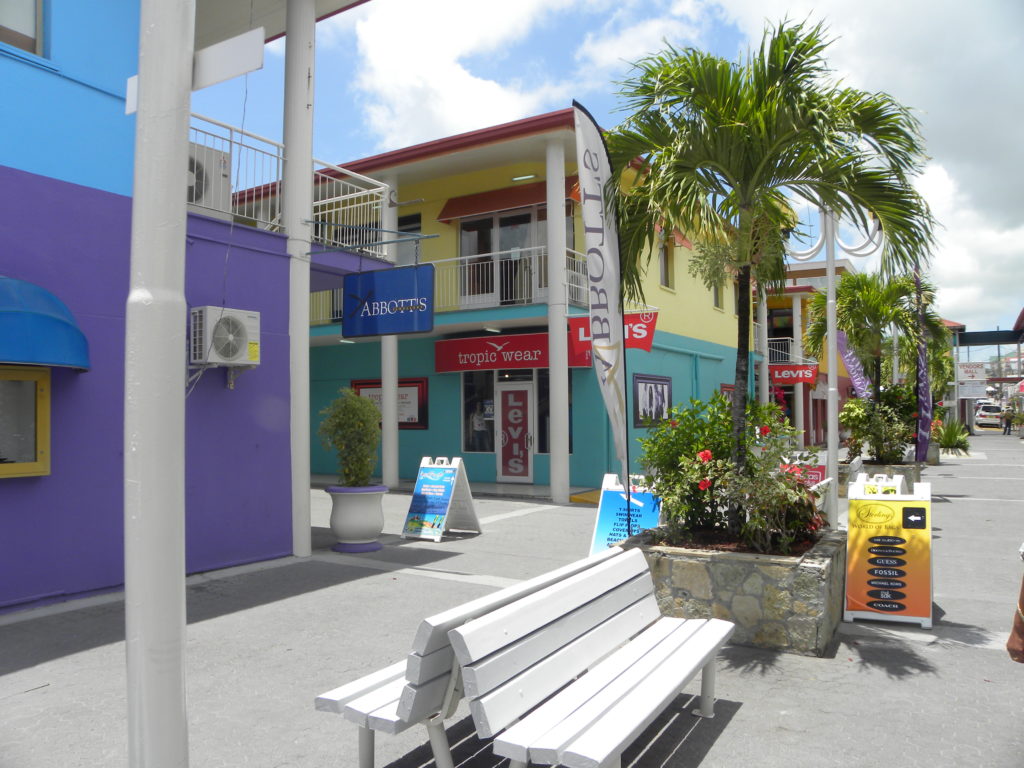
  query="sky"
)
[{"x": 393, "y": 73}]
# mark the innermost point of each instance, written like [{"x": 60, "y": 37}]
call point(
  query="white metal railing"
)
[
  {"x": 780, "y": 350},
  {"x": 237, "y": 174}
]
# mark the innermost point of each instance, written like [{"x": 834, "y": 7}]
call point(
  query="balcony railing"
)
[
  {"x": 780, "y": 350},
  {"x": 505, "y": 278},
  {"x": 236, "y": 175}
]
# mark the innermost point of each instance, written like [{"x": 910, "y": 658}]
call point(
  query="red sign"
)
[
  {"x": 515, "y": 433},
  {"x": 793, "y": 374},
  {"x": 491, "y": 353},
  {"x": 639, "y": 327},
  {"x": 809, "y": 474}
]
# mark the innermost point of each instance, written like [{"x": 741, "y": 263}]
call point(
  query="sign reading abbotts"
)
[
  {"x": 441, "y": 501},
  {"x": 617, "y": 519},
  {"x": 388, "y": 302},
  {"x": 888, "y": 556}
]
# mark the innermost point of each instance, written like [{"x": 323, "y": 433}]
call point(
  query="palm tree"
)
[
  {"x": 719, "y": 150},
  {"x": 867, "y": 306}
]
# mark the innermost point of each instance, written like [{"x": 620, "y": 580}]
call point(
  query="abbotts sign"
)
[{"x": 388, "y": 302}]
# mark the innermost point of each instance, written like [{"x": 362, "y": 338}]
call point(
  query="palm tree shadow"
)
[{"x": 741, "y": 658}]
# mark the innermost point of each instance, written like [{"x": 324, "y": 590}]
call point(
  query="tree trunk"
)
[{"x": 739, "y": 394}]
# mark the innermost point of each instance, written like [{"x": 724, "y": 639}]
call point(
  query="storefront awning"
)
[
  {"x": 37, "y": 328},
  {"x": 504, "y": 199}
]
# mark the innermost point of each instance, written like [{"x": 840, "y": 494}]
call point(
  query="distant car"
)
[{"x": 987, "y": 416}]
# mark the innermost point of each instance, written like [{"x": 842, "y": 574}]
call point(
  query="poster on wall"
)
[
  {"x": 652, "y": 398},
  {"x": 412, "y": 400},
  {"x": 888, "y": 552},
  {"x": 441, "y": 501},
  {"x": 619, "y": 517}
]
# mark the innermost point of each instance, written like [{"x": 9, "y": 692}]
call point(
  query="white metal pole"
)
[
  {"x": 895, "y": 356},
  {"x": 762, "y": 342},
  {"x": 296, "y": 210},
  {"x": 389, "y": 366},
  {"x": 798, "y": 355},
  {"x": 558, "y": 341},
  {"x": 154, "y": 409},
  {"x": 830, "y": 231}
]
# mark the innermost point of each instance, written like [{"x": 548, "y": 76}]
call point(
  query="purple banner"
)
[{"x": 861, "y": 384}]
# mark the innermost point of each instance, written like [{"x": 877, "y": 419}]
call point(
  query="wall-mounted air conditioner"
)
[
  {"x": 209, "y": 175},
  {"x": 222, "y": 336}
]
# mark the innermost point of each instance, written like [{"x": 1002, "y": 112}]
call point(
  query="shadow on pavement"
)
[{"x": 677, "y": 739}]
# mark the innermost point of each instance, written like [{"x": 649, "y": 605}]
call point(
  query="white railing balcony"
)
[
  {"x": 781, "y": 350},
  {"x": 236, "y": 175}
]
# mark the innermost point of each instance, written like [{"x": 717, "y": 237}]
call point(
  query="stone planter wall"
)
[{"x": 790, "y": 604}]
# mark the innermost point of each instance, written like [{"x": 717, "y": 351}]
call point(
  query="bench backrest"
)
[
  {"x": 429, "y": 666},
  {"x": 515, "y": 657}
]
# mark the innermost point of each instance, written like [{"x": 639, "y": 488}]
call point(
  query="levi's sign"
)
[
  {"x": 793, "y": 374},
  {"x": 489, "y": 353},
  {"x": 638, "y": 326},
  {"x": 388, "y": 301}
]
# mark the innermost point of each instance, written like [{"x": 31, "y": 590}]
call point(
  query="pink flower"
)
[
  {"x": 704, "y": 484},
  {"x": 704, "y": 456},
  {"x": 765, "y": 430}
]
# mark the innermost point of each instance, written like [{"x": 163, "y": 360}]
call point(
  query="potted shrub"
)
[
  {"x": 951, "y": 436},
  {"x": 741, "y": 544},
  {"x": 351, "y": 428},
  {"x": 884, "y": 430}
]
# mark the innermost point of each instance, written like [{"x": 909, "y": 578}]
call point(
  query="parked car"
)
[{"x": 987, "y": 416}]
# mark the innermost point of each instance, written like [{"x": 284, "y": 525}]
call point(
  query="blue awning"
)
[{"x": 37, "y": 328}]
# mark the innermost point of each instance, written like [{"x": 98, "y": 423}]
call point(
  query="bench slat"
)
[
  {"x": 483, "y": 636},
  {"x": 492, "y": 671},
  {"x": 419, "y": 702},
  {"x": 507, "y": 703},
  {"x": 386, "y": 719},
  {"x": 358, "y": 710},
  {"x": 336, "y": 699},
  {"x": 432, "y": 632},
  {"x": 420, "y": 669},
  {"x": 629, "y": 717}
]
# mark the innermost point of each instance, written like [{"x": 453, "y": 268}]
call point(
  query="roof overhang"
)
[
  {"x": 219, "y": 20},
  {"x": 37, "y": 328}
]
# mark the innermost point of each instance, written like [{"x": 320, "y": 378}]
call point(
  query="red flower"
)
[
  {"x": 674, "y": 423},
  {"x": 765, "y": 430},
  {"x": 704, "y": 456},
  {"x": 913, "y": 415},
  {"x": 704, "y": 484}
]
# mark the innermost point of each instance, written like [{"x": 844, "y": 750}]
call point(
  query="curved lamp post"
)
[{"x": 829, "y": 240}]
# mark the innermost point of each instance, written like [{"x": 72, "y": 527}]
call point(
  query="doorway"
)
[{"x": 514, "y": 418}]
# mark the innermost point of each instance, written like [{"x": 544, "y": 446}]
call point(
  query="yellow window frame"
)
[{"x": 41, "y": 378}]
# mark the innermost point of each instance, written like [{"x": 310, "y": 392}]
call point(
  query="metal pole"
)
[
  {"x": 762, "y": 342},
  {"x": 389, "y": 369},
  {"x": 828, "y": 223},
  {"x": 296, "y": 209},
  {"x": 798, "y": 354},
  {"x": 154, "y": 409},
  {"x": 558, "y": 349}
]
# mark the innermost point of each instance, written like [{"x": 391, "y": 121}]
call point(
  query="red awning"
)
[{"x": 505, "y": 199}]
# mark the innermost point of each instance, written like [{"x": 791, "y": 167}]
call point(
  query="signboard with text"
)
[
  {"x": 792, "y": 373},
  {"x": 491, "y": 353},
  {"x": 639, "y": 331},
  {"x": 388, "y": 301},
  {"x": 441, "y": 501},
  {"x": 888, "y": 555},
  {"x": 617, "y": 519}
]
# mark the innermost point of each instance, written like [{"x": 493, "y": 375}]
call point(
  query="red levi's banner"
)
[
  {"x": 490, "y": 353},
  {"x": 639, "y": 331},
  {"x": 793, "y": 374}
]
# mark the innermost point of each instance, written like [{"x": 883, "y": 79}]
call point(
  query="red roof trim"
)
[
  {"x": 503, "y": 199},
  {"x": 538, "y": 124}
]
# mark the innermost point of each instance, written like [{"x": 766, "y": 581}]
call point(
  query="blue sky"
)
[{"x": 392, "y": 73}]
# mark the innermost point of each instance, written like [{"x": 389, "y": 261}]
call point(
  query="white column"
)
[
  {"x": 558, "y": 350},
  {"x": 762, "y": 342},
  {"x": 296, "y": 210},
  {"x": 798, "y": 356},
  {"x": 154, "y": 407},
  {"x": 389, "y": 364},
  {"x": 829, "y": 228},
  {"x": 895, "y": 356}
]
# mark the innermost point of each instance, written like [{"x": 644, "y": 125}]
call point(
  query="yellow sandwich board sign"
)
[{"x": 889, "y": 552}]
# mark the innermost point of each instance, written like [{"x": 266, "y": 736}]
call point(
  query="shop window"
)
[
  {"x": 544, "y": 411},
  {"x": 716, "y": 295},
  {"x": 21, "y": 24},
  {"x": 408, "y": 252},
  {"x": 478, "y": 411},
  {"x": 24, "y": 421},
  {"x": 666, "y": 265}
]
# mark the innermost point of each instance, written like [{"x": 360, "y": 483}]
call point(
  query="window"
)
[
  {"x": 408, "y": 252},
  {"x": 667, "y": 265},
  {"x": 478, "y": 407},
  {"x": 21, "y": 23},
  {"x": 24, "y": 421},
  {"x": 716, "y": 295}
]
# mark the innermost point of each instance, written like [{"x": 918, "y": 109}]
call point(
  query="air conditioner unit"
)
[
  {"x": 222, "y": 336},
  {"x": 209, "y": 175}
]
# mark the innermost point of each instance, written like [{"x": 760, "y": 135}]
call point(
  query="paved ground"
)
[{"x": 264, "y": 640}]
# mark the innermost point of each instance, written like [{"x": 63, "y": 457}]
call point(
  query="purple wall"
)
[{"x": 62, "y": 535}]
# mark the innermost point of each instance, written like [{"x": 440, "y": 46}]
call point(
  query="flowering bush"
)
[
  {"x": 883, "y": 428},
  {"x": 703, "y": 493}
]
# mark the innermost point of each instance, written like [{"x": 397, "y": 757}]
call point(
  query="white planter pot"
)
[{"x": 357, "y": 517}]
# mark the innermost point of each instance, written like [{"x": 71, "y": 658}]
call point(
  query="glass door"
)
[
  {"x": 514, "y": 417},
  {"x": 516, "y": 262},
  {"x": 476, "y": 268}
]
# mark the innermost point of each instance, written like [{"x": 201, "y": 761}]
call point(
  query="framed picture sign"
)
[
  {"x": 412, "y": 400},
  {"x": 652, "y": 397}
]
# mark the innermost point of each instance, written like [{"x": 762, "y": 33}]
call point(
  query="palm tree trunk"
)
[{"x": 739, "y": 394}]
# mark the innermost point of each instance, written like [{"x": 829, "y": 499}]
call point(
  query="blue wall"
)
[{"x": 63, "y": 112}]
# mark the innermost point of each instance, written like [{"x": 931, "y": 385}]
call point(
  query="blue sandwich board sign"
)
[
  {"x": 388, "y": 302},
  {"x": 617, "y": 519},
  {"x": 441, "y": 501}
]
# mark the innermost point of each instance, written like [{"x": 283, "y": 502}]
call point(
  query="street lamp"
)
[{"x": 829, "y": 239}]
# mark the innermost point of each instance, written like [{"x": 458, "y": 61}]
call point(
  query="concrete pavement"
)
[{"x": 263, "y": 640}]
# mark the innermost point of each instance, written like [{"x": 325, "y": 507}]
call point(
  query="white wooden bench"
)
[
  {"x": 573, "y": 673},
  {"x": 426, "y": 688}
]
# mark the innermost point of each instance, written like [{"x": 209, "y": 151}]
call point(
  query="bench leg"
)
[
  {"x": 365, "y": 747},
  {"x": 516, "y": 764},
  {"x": 439, "y": 743},
  {"x": 707, "y": 691}
]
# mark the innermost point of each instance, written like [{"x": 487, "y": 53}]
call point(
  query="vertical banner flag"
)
[
  {"x": 601, "y": 241},
  {"x": 924, "y": 392},
  {"x": 861, "y": 384}
]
